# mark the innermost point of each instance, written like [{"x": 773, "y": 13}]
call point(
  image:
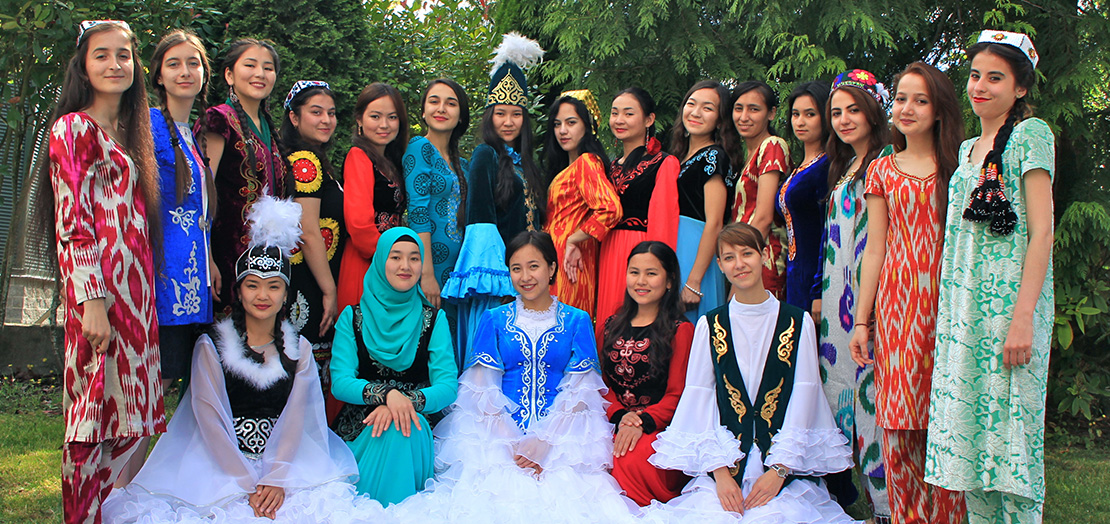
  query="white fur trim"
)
[
  {"x": 291, "y": 340},
  {"x": 235, "y": 361}
]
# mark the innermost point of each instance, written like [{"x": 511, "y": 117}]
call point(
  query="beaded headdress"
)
[
  {"x": 1018, "y": 40},
  {"x": 275, "y": 229},
  {"x": 587, "y": 98},
  {"x": 507, "y": 82},
  {"x": 301, "y": 85},
  {"x": 865, "y": 80}
]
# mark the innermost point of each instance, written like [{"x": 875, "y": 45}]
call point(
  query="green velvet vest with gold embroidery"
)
[{"x": 754, "y": 422}]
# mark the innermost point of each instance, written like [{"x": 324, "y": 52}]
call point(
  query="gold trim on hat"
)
[{"x": 507, "y": 91}]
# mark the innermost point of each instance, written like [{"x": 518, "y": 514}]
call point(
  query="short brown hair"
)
[{"x": 740, "y": 234}]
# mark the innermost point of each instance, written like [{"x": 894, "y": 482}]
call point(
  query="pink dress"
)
[{"x": 104, "y": 252}]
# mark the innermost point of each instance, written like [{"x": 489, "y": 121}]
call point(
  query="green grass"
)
[{"x": 30, "y": 461}]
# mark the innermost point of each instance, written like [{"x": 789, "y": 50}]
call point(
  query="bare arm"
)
[
  {"x": 874, "y": 254},
  {"x": 766, "y": 189},
  {"x": 316, "y": 256},
  {"x": 214, "y": 150},
  {"x": 1017, "y": 350},
  {"x": 716, "y": 195}
]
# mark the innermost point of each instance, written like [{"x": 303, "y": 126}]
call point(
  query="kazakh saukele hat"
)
[
  {"x": 275, "y": 229},
  {"x": 507, "y": 83}
]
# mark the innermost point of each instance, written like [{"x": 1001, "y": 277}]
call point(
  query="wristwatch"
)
[{"x": 781, "y": 470}]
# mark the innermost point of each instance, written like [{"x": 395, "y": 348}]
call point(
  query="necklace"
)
[{"x": 261, "y": 346}]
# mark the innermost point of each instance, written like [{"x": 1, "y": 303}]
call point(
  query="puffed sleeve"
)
[
  {"x": 662, "y": 412},
  {"x": 358, "y": 203},
  {"x": 598, "y": 192},
  {"x": 308, "y": 173},
  {"x": 216, "y": 122},
  {"x": 441, "y": 368},
  {"x": 75, "y": 173},
  {"x": 809, "y": 443},
  {"x": 663, "y": 208},
  {"x": 417, "y": 166},
  {"x": 696, "y": 442}
]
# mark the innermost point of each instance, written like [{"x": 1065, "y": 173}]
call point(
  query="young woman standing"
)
[
  {"x": 104, "y": 207},
  {"x": 905, "y": 194},
  {"x": 696, "y": 138},
  {"x": 758, "y": 172},
  {"x": 801, "y": 198},
  {"x": 859, "y": 134},
  {"x": 242, "y": 150},
  {"x": 646, "y": 179},
  {"x": 582, "y": 205},
  {"x": 994, "y": 326},
  {"x": 373, "y": 191},
  {"x": 643, "y": 362}
]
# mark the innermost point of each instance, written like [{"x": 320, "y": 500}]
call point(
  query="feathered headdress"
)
[
  {"x": 275, "y": 230},
  {"x": 507, "y": 82}
]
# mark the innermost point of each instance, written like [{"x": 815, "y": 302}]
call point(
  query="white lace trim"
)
[{"x": 534, "y": 323}]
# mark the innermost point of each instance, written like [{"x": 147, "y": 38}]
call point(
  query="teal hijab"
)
[{"x": 391, "y": 319}]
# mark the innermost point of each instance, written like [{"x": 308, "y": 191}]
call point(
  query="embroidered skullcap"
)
[
  {"x": 89, "y": 24},
  {"x": 301, "y": 85},
  {"x": 1018, "y": 40},
  {"x": 865, "y": 80}
]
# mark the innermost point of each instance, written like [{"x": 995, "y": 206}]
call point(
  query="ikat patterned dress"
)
[
  {"x": 773, "y": 155},
  {"x": 986, "y": 431}
]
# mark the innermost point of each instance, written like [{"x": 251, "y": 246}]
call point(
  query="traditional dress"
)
[
  {"x": 772, "y": 155},
  {"x": 753, "y": 398},
  {"x": 905, "y": 329},
  {"x": 626, "y": 368},
  {"x": 710, "y": 161},
  {"x": 480, "y": 277},
  {"x": 111, "y": 399},
  {"x": 306, "y": 308},
  {"x": 801, "y": 207},
  {"x": 581, "y": 197},
  {"x": 247, "y": 419},
  {"x": 850, "y": 389},
  {"x": 372, "y": 204},
  {"x": 531, "y": 388},
  {"x": 986, "y": 432},
  {"x": 649, "y": 202},
  {"x": 182, "y": 293},
  {"x": 238, "y": 185},
  {"x": 391, "y": 340}
]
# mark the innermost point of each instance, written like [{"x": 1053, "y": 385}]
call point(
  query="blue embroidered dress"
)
[
  {"x": 181, "y": 292},
  {"x": 434, "y": 198}
]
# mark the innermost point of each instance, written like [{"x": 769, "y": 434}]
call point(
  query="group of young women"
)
[{"x": 367, "y": 350}]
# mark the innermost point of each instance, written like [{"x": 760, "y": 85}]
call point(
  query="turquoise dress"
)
[
  {"x": 434, "y": 198},
  {"x": 391, "y": 466}
]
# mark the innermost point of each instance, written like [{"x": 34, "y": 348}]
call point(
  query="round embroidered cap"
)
[
  {"x": 862, "y": 79},
  {"x": 89, "y": 24},
  {"x": 1018, "y": 40},
  {"x": 301, "y": 85}
]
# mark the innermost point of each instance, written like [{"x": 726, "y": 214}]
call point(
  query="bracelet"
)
[
  {"x": 861, "y": 323},
  {"x": 694, "y": 291}
]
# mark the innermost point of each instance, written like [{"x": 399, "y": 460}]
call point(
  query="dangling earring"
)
[
  {"x": 685, "y": 133},
  {"x": 359, "y": 129},
  {"x": 234, "y": 97}
]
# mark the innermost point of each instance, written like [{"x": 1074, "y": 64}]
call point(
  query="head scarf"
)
[{"x": 391, "y": 319}]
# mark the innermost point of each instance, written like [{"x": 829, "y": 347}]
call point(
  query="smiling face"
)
[
  {"x": 913, "y": 111},
  {"x": 441, "y": 108},
  {"x": 700, "y": 114},
  {"x": 848, "y": 119},
  {"x": 253, "y": 74},
  {"x": 742, "y": 265},
  {"x": 262, "y": 298},
  {"x": 628, "y": 121},
  {"x": 645, "y": 279},
  {"x": 109, "y": 62},
  {"x": 380, "y": 122},
  {"x": 182, "y": 72},
  {"x": 992, "y": 86},
  {"x": 569, "y": 128},
  {"x": 530, "y": 273},
  {"x": 750, "y": 114},
  {"x": 402, "y": 265},
  {"x": 806, "y": 119},
  {"x": 507, "y": 121},
  {"x": 316, "y": 121}
]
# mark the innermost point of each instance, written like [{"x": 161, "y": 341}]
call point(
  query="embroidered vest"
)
[{"x": 755, "y": 421}]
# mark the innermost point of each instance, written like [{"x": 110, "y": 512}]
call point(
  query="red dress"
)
[
  {"x": 773, "y": 155},
  {"x": 371, "y": 205},
  {"x": 581, "y": 197},
  {"x": 104, "y": 252},
  {"x": 626, "y": 370}
]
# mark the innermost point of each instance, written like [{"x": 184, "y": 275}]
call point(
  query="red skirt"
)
[
  {"x": 643, "y": 482},
  {"x": 611, "y": 267}
]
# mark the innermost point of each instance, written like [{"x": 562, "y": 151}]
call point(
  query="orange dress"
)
[
  {"x": 773, "y": 155},
  {"x": 581, "y": 197},
  {"x": 906, "y": 303}
]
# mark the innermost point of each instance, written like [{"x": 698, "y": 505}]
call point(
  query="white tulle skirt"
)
[{"x": 800, "y": 502}]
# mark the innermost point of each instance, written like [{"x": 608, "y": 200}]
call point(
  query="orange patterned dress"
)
[
  {"x": 581, "y": 197},
  {"x": 773, "y": 155},
  {"x": 906, "y": 303}
]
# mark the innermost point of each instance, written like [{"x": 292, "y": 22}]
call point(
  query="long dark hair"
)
[
  {"x": 770, "y": 100},
  {"x": 840, "y": 153},
  {"x": 234, "y": 52},
  {"x": 948, "y": 129},
  {"x": 390, "y": 163},
  {"x": 239, "y": 322},
  {"x": 1025, "y": 77},
  {"x": 134, "y": 126},
  {"x": 680, "y": 139},
  {"x": 453, "y": 143},
  {"x": 182, "y": 174},
  {"x": 555, "y": 159},
  {"x": 819, "y": 92},
  {"x": 539, "y": 240},
  {"x": 291, "y": 139},
  {"x": 647, "y": 105},
  {"x": 503, "y": 189},
  {"x": 661, "y": 331}
]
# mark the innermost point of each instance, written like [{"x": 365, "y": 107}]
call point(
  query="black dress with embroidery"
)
[
  {"x": 635, "y": 185},
  {"x": 254, "y": 411},
  {"x": 708, "y": 161},
  {"x": 348, "y": 424}
]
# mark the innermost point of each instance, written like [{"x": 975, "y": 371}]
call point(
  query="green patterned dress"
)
[{"x": 986, "y": 428}]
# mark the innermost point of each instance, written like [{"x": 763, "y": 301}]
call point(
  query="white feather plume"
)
[
  {"x": 275, "y": 222},
  {"x": 518, "y": 49}
]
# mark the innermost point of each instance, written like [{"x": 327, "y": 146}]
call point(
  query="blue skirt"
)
[{"x": 713, "y": 282}]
